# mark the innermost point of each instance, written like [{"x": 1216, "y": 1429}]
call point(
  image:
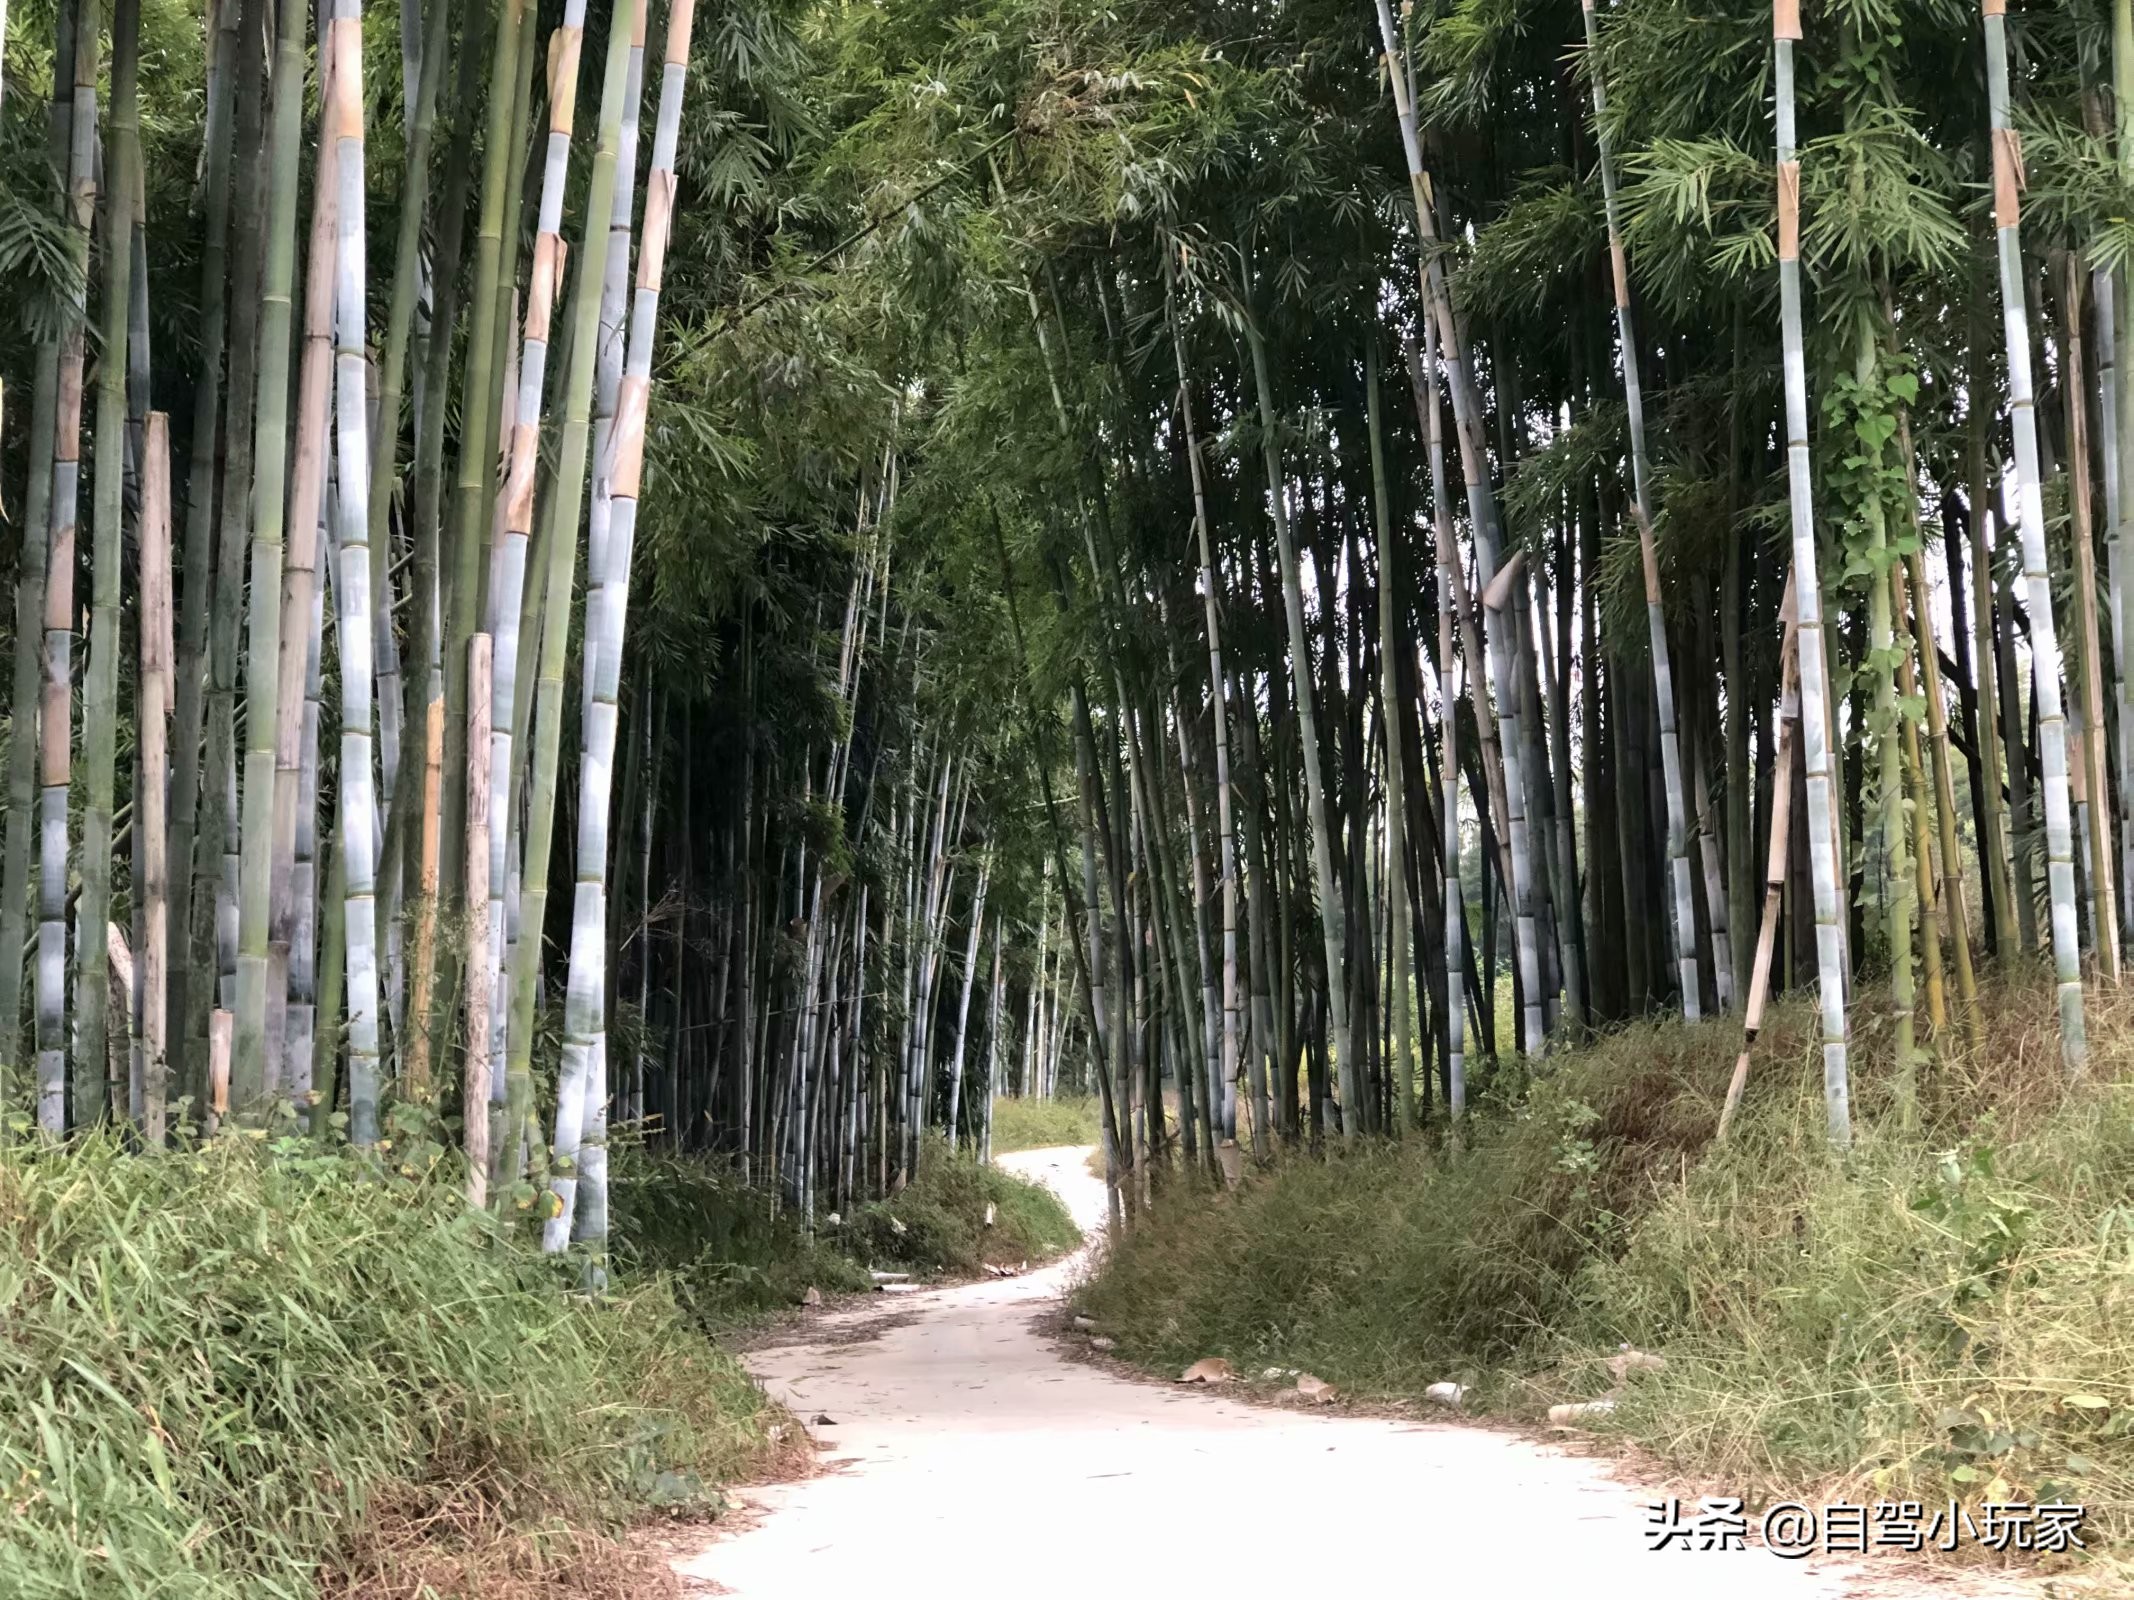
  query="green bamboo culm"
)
[
  {"x": 2030, "y": 526},
  {"x": 197, "y": 560},
  {"x": 1663, "y": 677},
  {"x": 508, "y": 576},
  {"x": 560, "y": 515},
  {"x": 1333, "y": 914},
  {"x": 352, "y": 588},
  {"x": 1808, "y": 599},
  {"x": 29, "y": 614},
  {"x": 250, "y": 1081},
  {"x": 56, "y": 712},
  {"x": 100, "y": 686}
]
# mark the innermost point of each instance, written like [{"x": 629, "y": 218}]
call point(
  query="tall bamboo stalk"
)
[
  {"x": 560, "y": 515},
  {"x": 56, "y": 714},
  {"x": 23, "y": 750},
  {"x": 1998, "y": 871},
  {"x": 1808, "y": 602},
  {"x": 1663, "y": 678},
  {"x": 618, "y": 474},
  {"x": 1449, "y": 584},
  {"x": 293, "y": 885},
  {"x": 509, "y": 573},
  {"x": 2030, "y": 521},
  {"x": 1400, "y": 971},
  {"x": 100, "y": 697},
  {"x": 1211, "y": 610},
  {"x": 2115, "y": 337},
  {"x": 151, "y": 818},
  {"x": 2104, "y": 916},
  {"x": 1333, "y": 910},
  {"x": 249, "y": 1082},
  {"x": 474, "y": 1092},
  {"x": 1514, "y": 833},
  {"x": 357, "y": 859}
]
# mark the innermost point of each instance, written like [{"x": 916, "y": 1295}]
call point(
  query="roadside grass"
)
[
  {"x": 233, "y": 1372},
  {"x": 1020, "y": 1124},
  {"x": 1947, "y": 1312},
  {"x": 241, "y": 1371}
]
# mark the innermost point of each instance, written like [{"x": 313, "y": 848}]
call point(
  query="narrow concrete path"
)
[{"x": 966, "y": 1458}]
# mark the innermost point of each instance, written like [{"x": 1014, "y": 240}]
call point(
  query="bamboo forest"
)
[{"x": 742, "y": 728}]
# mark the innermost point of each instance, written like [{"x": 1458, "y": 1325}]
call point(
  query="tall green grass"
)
[
  {"x": 213, "y": 1365},
  {"x": 1020, "y": 1124},
  {"x": 1948, "y": 1311}
]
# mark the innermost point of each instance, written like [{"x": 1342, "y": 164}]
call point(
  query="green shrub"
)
[
  {"x": 1020, "y": 1124},
  {"x": 938, "y": 1223},
  {"x": 213, "y": 1363}
]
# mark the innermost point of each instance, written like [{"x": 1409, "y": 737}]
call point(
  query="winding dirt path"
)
[{"x": 964, "y": 1458}]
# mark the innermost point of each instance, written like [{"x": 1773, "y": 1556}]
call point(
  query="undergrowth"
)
[
  {"x": 229, "y": 1373},
  {"x": 1949, "y": 1311},
  {"x": 1020, "y": 1124},
  {"x": 733, "y": 1255}
]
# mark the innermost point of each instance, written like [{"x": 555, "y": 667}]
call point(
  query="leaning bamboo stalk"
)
[
  {"x": 1952, "y": 861},
  {"x": 153, "y": 754},
  {"x": 352, "y": 593},
  {"x": 1808, "y": 602},
  {"x": 2030, "y": 522},
  {"x": 560, "y": 518},
  {"x": 1663, "y": 678},
  {"x": 56, "y": 713},
  {"x": 250, "y": 1086},
  {"x": 1514, "y": 832},
  {"x": 2104, "y": 913},
  {"x": 1775, "y": 862}
]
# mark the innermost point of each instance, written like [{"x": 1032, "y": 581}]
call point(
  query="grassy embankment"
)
[
  {"x": 1950, "y": 1311},
  {"x": 232, "y": 1373}
]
